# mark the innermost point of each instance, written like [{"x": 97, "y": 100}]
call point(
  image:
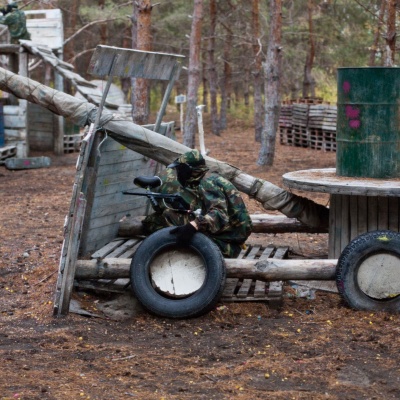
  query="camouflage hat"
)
[{"x": 192, "y": 158}]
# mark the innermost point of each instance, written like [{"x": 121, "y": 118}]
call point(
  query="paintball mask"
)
[{"x": 185, "y": 164}]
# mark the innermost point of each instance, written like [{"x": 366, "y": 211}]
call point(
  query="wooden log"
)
[
  {"x": 263, "y": 270},
  {"x": 262, "y": 223},
  {"x": 162, "y": 149}
]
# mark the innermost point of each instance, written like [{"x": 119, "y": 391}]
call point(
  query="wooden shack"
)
[{"x": 28, "y": 126}]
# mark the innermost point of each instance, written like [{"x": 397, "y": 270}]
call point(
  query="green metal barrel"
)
[{"x": 368, "y": 131}]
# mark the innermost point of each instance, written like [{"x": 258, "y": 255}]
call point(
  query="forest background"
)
[{"x": 243, "y": 57}]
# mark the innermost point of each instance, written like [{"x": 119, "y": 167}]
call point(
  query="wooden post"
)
[
  {"x": 23, "y": 104},
  {"x": 201, "y": 129}
]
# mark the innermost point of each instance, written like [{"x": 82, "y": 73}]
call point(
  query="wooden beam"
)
[
  {"x": 263, "y": 270},
  {"x": 9, "y": 48},
  {"x": 262, "y": 223}
]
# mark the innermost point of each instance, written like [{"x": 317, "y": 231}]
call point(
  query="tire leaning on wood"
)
[
  {"x": 165, "y": 304},
  {"x": 368, "y": 272}
]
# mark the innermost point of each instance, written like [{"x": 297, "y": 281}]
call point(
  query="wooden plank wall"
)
[
  {"x": 14, "y": 123},
  {"x": 117, "y": 168},
  {"x": 41, "y": 128},
  {"x": 350, "y": 216}
]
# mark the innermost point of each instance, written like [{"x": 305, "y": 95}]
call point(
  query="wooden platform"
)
[
  {"x": 253, "y": 290},
  {"x": 7, "y": 152},
  {"x": 72, "y": 143},
  {"x": 236, "y": 290}
]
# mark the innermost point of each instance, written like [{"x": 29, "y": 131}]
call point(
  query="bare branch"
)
[
  {"x": 89, "y": 25},
  {"x": 369, "y": 11},
  {"x": 72, "y": 60}
]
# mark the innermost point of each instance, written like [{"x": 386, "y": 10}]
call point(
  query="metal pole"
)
[
  {"x": 105, "y": 93},
  {"x": 161, "y": 112}
]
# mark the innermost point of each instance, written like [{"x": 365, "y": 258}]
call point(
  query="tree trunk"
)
[
  {"x": 126, "y": 83},
  {"x": 378, "y": 29},
  {"x": 194, "y": 75},
  {"x": 70, "y": 28},
  {"x": 205, "y": 86},
  {"x": 309, "y": 81},
  {"x": 212, "y": 70},
  {"x": 140, "y": 94},
  {"x": 272, "y": 71},
  {"x": 103, "y": 27},
  {"x": 246, "y": 85},
  {"x": 262, "y": 270},
  {"x": 226, "y": 87},
  {"x": 391, "y": 33},
  {"x": 257, "y": 70}
]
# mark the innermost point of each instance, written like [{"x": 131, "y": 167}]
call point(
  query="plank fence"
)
[{"x": 308, "y": 123}]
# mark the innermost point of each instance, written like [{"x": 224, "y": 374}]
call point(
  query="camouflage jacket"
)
[
  {"x": 224, "y": 216},
  {"x": 16, "y": 22}
]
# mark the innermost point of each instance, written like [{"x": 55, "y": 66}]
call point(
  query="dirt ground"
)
[{"x": 308, "y": 349}]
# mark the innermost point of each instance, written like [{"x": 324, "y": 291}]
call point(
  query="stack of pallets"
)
[
  {"x": 308, "y": 124},
  {"x": 329, "y": 128},
  {"x": 286, "y": 125},
  {"x": 322, "y": 127},
  {"x": 300, "y": 122},
  {"x": 72, "y": 143}
]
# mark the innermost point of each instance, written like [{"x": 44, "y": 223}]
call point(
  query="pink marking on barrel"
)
[
  {"x": 354, "y": 123},
  {"x": 346, "y": 86},
  {"x": 352, "y": 112}
]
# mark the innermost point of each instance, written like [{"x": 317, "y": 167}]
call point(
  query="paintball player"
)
[
  {"x": 16, "y": 21},
  {"x": 224, "y": 217}
]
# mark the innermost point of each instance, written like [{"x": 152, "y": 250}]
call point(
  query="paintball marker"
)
[{"x": 171, "y": 201}]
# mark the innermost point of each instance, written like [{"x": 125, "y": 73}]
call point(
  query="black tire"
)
[
  {"x": 364, "y": 250},
  {"x": 196, "y": 304}
]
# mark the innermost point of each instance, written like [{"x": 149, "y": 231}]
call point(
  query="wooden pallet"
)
[
  {"x": 236, "y": 290},
  {"x": 286, "y": 136},
  {"x": 72, "y": 143},
  {"x": 300, "y": 115},
  {"x": 7, "y": 152},
  {"x": 300, "y": 136}
]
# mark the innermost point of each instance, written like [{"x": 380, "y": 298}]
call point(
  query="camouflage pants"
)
[{"x": 156, "y": 221}]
